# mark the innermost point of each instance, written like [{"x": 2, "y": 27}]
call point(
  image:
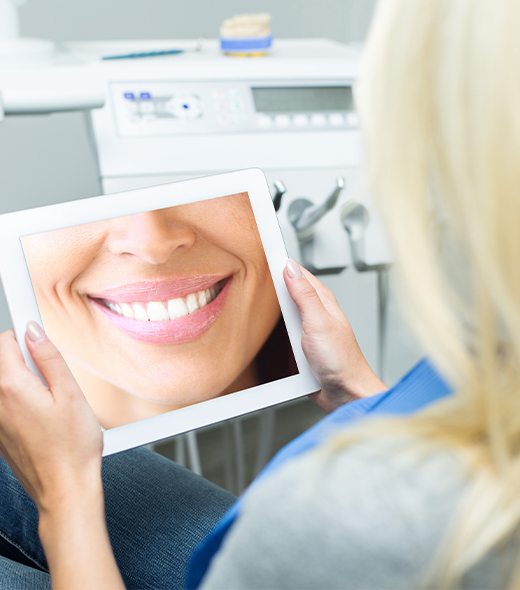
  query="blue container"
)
[{"x": 257, "y": 46}]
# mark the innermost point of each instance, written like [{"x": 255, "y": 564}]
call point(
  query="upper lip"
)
[{"x": 158, "y": 290}]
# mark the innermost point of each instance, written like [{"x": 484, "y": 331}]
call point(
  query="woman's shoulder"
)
[
  {"x": 368, "y": 515},
  {"x": 394, "y": 484},
  {"x": 376, "y": 472}
]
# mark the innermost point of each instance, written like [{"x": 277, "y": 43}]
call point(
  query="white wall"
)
[{"x": 127, "y": 19}]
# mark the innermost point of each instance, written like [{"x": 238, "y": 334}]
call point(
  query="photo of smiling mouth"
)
[{"x": 164, "y": 312}]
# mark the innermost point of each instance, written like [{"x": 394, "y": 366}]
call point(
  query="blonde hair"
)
[{"x": 439, "y": 100}]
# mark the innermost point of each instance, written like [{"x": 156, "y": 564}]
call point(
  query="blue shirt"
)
[{"x": 420, "y": 387}]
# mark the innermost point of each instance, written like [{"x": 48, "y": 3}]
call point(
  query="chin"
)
[{"x": 183, "y": 396}]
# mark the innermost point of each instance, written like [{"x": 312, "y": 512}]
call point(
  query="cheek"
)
[
  {"x": 44, "y": 266},
  {"x": 242, "y": 241},
  {"x": 54, "y": 264}
]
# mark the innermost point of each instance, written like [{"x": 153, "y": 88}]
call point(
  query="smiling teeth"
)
[
  {"x": 157, "y": 311},
  {"x": 160, "y": 311}
]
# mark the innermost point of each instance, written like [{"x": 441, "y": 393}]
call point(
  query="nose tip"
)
[{"x": 152, "y": 237}]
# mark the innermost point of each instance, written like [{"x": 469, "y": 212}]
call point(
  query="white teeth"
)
[
  {"x": 127, "y": 310},
  {"x": 202, "y": 298},
  {"x": 157, "y": 311},
  {"x": 160, "y": 311},
  {"x": 177, "y": 308},
  {"x": 139, "y": 312},
  {"x": 192, "y": 303}
]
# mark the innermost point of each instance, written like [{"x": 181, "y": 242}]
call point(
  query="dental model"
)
[{"x": 246, "y": 35}]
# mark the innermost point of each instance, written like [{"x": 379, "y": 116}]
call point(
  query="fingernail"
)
[
  {"x": 35, "y": 332},
  {"x": 293, "y": 269}
]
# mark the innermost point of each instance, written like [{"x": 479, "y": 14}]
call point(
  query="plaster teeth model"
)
[
  {"x": 246, "y": 35},
  {"x": 246, "y": 26}
]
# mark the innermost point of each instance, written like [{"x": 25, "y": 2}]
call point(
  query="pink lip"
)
[
  {"x": 160, "y": 290},
  {"x": 179, "y": 331}
]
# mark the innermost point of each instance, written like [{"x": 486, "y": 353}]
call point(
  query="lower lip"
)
[{"x": 179, "y": 331}]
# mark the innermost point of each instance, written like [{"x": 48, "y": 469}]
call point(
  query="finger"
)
[
  {"x": 324, "y": 293},
  {"x": 14, "y": 373},
  {"x": 49, "y": 361},
  {"x": 10, "y": 353},
  {"x": 304, "y": 295}
]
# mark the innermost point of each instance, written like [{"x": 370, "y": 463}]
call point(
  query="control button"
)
[
  {"x": 145, "y": 96},
  {"x": 336, "y": 119},
  {"x": 236, "y": 105},
  {"x": 300, "y": 120},
  {"x": 132, "y": 106},
  {"x": 352, "y": 120},
  {"x": 264, "y": 121},
  {"x": 129, "y": 96},
  {"x": 184, "y": 106},
  {"x": 282, "y": 120},
  {"x": 147, "y": 107},
  {"x": 218, "y": 92},
  {"x": 318, "y": 120}
]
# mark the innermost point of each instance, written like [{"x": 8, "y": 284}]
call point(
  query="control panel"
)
[{"x": 175, "y": 108}]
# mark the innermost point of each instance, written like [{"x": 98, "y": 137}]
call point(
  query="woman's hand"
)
[
  {"x": 329, "y": 342},
  {"x": 48, "y": 434},
  {"x": 53, "y": 442}
]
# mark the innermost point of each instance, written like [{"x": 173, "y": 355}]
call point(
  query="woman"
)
[
  {"x": 162, "y": 309},
  {"x": 429, "y": 500}
]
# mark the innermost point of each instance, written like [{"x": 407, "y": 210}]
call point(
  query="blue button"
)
[
  {"x": 145, "y": 96},
  {"x": 185, "y": 106},
  {"x": 129, "y": 95}
]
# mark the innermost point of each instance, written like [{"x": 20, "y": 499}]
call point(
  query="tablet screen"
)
[{"x": 164, "y": 309}]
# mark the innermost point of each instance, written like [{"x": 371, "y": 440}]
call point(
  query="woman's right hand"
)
[
  {"x": 329, "y": 343},
  {"x": 53, "y": 442},
  {"x": 48, "y": 433}
]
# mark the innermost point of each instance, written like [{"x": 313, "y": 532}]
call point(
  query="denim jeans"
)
[{"x": 157, "y": 512}]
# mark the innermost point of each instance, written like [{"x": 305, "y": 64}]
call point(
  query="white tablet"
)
[{"x": 168, "y": 303}]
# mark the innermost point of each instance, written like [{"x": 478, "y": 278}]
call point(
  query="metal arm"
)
[
  {"x": 304, "y": 215},
  {"x": 355, "y": 219},
  {"x": 279, "y": 191}
]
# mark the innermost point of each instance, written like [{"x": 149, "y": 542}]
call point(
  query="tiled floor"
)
[{"x": 290, "y": 420}]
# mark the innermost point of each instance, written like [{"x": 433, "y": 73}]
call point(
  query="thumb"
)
[
  {"x": 304, "y": 295},
  {"x": 49, "y": 361}
]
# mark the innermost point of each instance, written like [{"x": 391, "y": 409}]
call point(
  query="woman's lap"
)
[
  {"x": 157, "y": 513},
  {"x": 15, "y": 576}
]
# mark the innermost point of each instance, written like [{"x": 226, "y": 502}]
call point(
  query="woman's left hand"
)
[
  {"x": 329, "y": 343},
  {"x": 48, "y": 434}
]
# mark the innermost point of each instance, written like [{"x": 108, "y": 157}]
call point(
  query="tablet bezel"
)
[{"x": 23, "y": 307}]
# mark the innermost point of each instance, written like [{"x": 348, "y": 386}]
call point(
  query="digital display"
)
[
  {"x": 146, "y": 328},
  {"x": 303, "y": 99}
]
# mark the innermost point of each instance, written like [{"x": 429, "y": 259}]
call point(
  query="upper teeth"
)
[{"x": 160, "y": 311}]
